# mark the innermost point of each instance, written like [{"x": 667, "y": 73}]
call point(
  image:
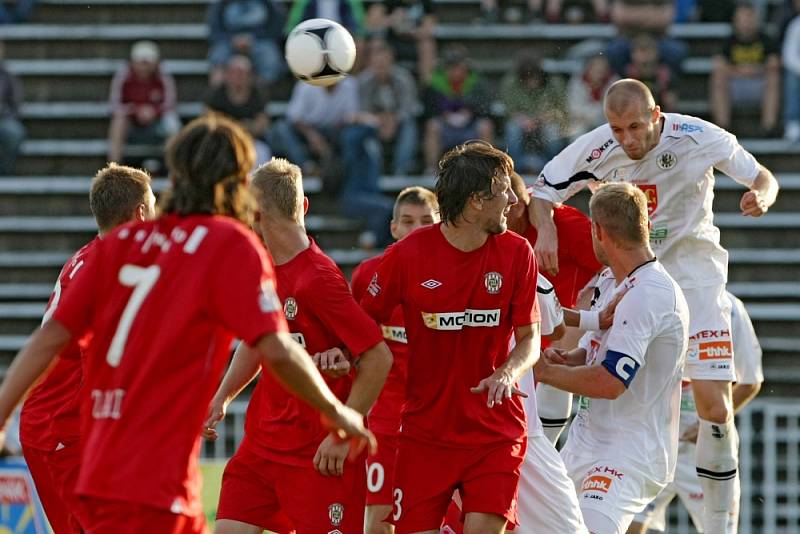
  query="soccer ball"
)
[{"x": 320, "y": 52}]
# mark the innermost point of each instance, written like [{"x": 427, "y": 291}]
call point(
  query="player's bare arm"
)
[
  {"x": 594, "y": 320},
  {"x": 590, "y": 381},
  {"x": 502, "y": 383},
  {"x": 31, "y": 363},
  {"x": 762, "y": 194},
  {"x": 540, "y": 213},
  {"x": 572, "y": 357},
  {"x": 245, "y": 366},
  {"x": 293, "y": 367},
  {"x": 743, "y": 393},
  {"x": 373, "y": 368}
]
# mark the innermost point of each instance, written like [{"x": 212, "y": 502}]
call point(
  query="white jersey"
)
[
  {"x": 640, "y": 427},
  {"x": 677, "y": 176},
  {"x": 551, "y": 316},
  {"x": 746, "y": 360}
]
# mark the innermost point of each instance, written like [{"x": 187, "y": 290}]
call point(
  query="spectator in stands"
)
[
  {"x": 791, "y": 81},
  {"x": 408, "y": 26},
  {"x": 348, "y": 13},
  {"x": 253, "y": 28},
  {"x": 21, "y": 11},
  {"x": 242, "y": 99},
  {"x": 747, "y": 73},
  {"x": 633, "y": 17},
  {"x": 143, "y": 102},
  {"x": 536, "y": 113},
  {"x": 456, "y": 106},
  {"x": 585, "y": 92},
  {"x": 12, "y": 133},
  {"x": 646, "y": 66},
  {"x": 389, "y": 105}
]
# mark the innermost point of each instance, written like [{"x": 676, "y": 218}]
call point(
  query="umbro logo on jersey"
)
[
  {"x": 666, "y": 160},
  {"x": 431, "y": 284}
]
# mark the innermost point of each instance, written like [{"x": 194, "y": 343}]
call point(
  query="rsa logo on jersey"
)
[{"x": 22, "y": 512}]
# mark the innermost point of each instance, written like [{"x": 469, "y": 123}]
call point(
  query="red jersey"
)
[
  {"x": 384, "y": 418},
  {"x": 577, "y": 263},
  {"x": 58, "y": 394},
  {"x": 321, "y": 314},
  {"x": 163, "y": 300},
  {"x": 460, "y": 310}
]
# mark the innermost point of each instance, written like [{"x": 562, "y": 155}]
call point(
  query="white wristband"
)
[{"x": 590, "y": 320}]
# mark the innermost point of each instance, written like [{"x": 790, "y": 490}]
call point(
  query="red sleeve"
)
[
  {"x": 386, "y": 286},
  {"x": 333, "y": 303},
  {"x": 243, "y": 291},
  {"x": 575, "y": 235},
  {"x": 524, "y": 305},
  {"x": 75, "y": 306},
  {"x": 359, "y": 280}
]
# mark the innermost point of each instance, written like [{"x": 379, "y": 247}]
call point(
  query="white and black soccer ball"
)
[{"x": 320, "y": 52}]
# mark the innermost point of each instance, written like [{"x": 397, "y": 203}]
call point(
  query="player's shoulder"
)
[
  {"x": 419, "y": 239},
  {"x": 316, "y": 268},
  {"x": 654, "y": 287},
  {"x": 700, "y": 131}
]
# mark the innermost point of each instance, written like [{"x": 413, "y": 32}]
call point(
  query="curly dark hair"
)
[
  {"x": 208, "y": 162},
  {"x": 467, "y": 170}
]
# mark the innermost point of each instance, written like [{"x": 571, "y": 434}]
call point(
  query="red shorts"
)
[
  {"x": 103, "y": 516},
  {"x": 285, "y": 498},
  {"x": 426, "y": 476},
  {"x": 380, "y": 471},
  {"x": 54, "y": 474}
]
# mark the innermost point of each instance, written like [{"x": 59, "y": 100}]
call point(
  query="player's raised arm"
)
[
  {"x": 540, "y": 213},
  {"x": 31, "y": 363}
]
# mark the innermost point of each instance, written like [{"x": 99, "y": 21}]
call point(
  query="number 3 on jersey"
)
[{"x": 142, "y": 280}]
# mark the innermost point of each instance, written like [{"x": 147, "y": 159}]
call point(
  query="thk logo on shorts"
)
[
  {"x": 336, "y": 514},
  {"x": 596, "y": 483},
  {"x": 716, "y": 350}
]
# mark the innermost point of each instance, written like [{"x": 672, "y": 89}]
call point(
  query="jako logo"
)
[
  {"x": 458, "y": 320},
  {"x": 596, "y": 483},
  {"x": 715, "y": 350}
]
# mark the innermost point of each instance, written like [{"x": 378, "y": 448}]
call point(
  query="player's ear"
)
[
  {"x": 393, "y": 230},
  {"x": 656, "y": 113},
  {"x": 305, "y": 205},
  {"x": 141, "y": 212}
]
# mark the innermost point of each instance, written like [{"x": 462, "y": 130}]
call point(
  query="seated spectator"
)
[
  {"x": 408, "y": 26},
  {"x": 12, "y": 133},
  {"x": 747, "y": 73},
  {"x": 389, "y": 105},
  {"x": 21, "y": 11},
  {"x": 324, "y": 122},
  {"x": 143, "y": 102},
  {"x": 245, "y": 101},
  {"x": 791, "y": 81},
  {"x": 253, "y": 28},
  {"x": 456, "y": 106},
  {"x": 348, "y": 13},
  {"x": 634, "y": 17},
  {"x": 585, "y": 92},
  {"x": 572, "y": 11},
  {"x": 536, "y": 116},
  {"x": 646, "y": 66}
]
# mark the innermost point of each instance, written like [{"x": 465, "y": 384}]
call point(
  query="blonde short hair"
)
[
  {"x": 278, "y": 187},
  {"x": 621, "y": 209}
]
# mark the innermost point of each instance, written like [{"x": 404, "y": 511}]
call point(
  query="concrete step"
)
[
  {"x": 774, "y": 230},
  {"x": 775, "y": 320}
]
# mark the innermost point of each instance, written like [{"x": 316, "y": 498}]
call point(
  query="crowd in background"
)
[{"x": 408, "y": 102}]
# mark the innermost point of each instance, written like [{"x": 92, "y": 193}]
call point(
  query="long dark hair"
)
[{"x": 208, "y": 162}]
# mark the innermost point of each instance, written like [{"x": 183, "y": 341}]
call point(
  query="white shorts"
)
[
  {"x": 610, "y": 493},
  {"x": 710, "y": 353},
  {"x": 686, "y": 486},
  {"x": 547, "y": 503}
]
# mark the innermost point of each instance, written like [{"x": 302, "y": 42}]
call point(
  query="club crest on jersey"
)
[
  {"x": 336, "y": 514},
  {"x": 651, "y": 193},
  {"x": 666, "y": 160},
  {"x": 493, "y": 282},
  {"x": 290, "y": 308}
]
